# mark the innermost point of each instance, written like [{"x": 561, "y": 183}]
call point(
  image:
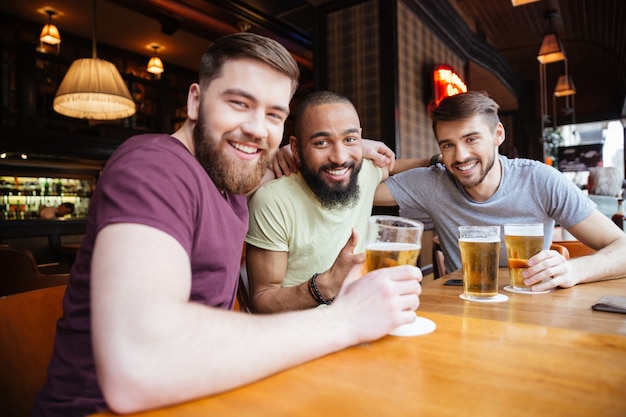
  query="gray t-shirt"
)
[{"x": 529, "y": 191}]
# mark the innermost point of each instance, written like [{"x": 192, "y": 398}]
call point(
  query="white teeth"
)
[
  {"x": 466, "y": 167},
  {"x": 243, "y": 148},
  {"x": 337, "y": 172}
]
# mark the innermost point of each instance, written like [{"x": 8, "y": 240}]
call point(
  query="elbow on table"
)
[{"x": 128, "y": 390}]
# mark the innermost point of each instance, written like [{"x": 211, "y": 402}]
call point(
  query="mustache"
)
[
  {"x": 347, "y": 164},
  {"x": 456, "y": 164}
]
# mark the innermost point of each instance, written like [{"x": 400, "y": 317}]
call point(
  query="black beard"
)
[
  {"x": 228, "y": 173},
  {"x": 332, "y": 196}
]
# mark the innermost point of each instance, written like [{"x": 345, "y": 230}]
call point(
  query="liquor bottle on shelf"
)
[{"x": 619, "y": 218}]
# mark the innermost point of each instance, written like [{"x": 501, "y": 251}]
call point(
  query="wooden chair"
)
[
  {"x": 575, "y": 248},
  {"x": 27, "y": 329},
  {"x": 560, "y": 249},
  {"x": 19, "y": 272}
]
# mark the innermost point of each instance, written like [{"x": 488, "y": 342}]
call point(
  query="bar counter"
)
[
  {"x": 534, "y": 355},
  {"x": 53, "y": 229}
]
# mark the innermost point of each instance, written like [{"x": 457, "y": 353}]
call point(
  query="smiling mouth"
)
[
  {"x": 337, "y": 172},
  {"x": 467, "y": 166},
  {"x": 250, "y": 150}
]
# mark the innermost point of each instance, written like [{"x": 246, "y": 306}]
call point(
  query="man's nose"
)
[{"x": 255, "y": 125}]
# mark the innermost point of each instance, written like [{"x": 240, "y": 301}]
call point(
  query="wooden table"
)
[
  {"x": 507, "y": 359},
  {"x": 568, "y": 308}
]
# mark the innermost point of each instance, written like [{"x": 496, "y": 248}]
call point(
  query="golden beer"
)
[
  {"x": 523, "y": 241},
  {"x": 519, "y": 249},
  {"x": 480, "y": 258},
  {"x": 387, "y": 254}
]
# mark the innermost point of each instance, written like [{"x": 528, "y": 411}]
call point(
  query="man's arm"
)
[
  {"x": 153, "y": 347},
  {"x": 597, "y": 232},
  {"x": 267, "y": 270}
]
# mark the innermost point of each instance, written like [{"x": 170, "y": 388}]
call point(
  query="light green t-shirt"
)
[{"x": 286, "y": 216}]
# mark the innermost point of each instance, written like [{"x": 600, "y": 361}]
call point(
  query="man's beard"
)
[
  {"x": 335, "y": 196},
  {"x": 483, "y": 174},
  {"x": 227, "y": 172}
]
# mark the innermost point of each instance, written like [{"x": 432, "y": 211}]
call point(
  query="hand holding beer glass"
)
[
  {"x": 393, "y": 241},
  {"x": 480, "y": 256},
  {"x": 523, "y": 241}
]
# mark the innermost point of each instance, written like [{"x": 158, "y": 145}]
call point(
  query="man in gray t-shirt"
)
[{"x": 473, "y": 185}]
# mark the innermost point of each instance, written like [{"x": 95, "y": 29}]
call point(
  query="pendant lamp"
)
[
  {"x": 155, "y": 65},
  {"x": 551, "y": 49},
  {"x": 50, "y": 33},
  {"x": 564, "y": 86},
  {"x": 93, "y": 89}
]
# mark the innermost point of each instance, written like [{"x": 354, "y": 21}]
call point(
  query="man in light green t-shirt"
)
[{"x": 296, "y": 253}]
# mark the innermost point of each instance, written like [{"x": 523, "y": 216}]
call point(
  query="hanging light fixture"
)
[
  {"x": 564, "y": 86},
  {"x": 50, "y": 34},
  {"x": 155, "y": 65},
  {"x": 93, "y": 89},
  {"x": 551, "y": 49},
  {"x": 520, "y": 2}
]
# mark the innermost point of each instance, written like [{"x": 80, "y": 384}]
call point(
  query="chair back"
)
[
  {"x": 27, "y": 330},
  {"x": 19, "y": 272},
  {"x": 575, "y": 248},
  {"x": 560, "y": 249}
]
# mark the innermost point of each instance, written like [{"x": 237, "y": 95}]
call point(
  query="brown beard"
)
[
  {"x": 228, "y": 173},
  {"x": 483, "y": 175}
]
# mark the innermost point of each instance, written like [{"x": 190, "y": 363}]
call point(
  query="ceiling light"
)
[
  {"x": 564, "y": 86},
  {"x": 155, "y": 65},
  {"x": 243, "y": 26},
  {"x": 520, "y": 2},
  {"x": 50, "y": 33},
  {"x": 551, "y": 49},
  {"x": 93, "y": 89}
]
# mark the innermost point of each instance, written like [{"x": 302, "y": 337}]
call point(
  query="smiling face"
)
[
  {"x": 469, "y": 149},
  {"x": 329, "y": 152},
  {"x": 240, "y": 118}
]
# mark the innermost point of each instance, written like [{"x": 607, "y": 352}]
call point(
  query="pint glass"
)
[
  {"x": 523, "y": 241},
  {"x": 480, "y": 256}
]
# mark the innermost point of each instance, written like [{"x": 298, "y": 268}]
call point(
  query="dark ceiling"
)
[{"x": 592, "y": 33}]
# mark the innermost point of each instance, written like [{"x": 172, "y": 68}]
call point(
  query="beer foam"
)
[
  {"x": 392, "y": 246},
  {"x": 488, "y": 239},
  {"x": 534, "y": 229}
]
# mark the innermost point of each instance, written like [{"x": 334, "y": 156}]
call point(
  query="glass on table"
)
[
  {"x": 523, "y": 241},
  {"x": 393, "y": 241},
  {"x": 480, "y": 258}
]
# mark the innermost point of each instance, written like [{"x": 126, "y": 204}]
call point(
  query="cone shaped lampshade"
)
[
  {"x": 551, "y": 49},
  {"x": 155, "y": 65},
  {"x": 50, "y": 34},
  {"x": 93, "y": 89},
  {"x": 564, "y": 86}
]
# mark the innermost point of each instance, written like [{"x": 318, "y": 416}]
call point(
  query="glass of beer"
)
[
  {"x": 523, "y": 241},
  {"x": 480, "y": 256},
  {"x": 393, "y": 241}
]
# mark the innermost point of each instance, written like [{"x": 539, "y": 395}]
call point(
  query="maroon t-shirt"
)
[{"x": 155, "y": 181}]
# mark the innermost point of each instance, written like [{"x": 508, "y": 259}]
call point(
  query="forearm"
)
[
  {"x": 607, "y": 263},
  {"x": 194, "y": 351},
  {"x": 405, "y": 164},
  {"x": 281, "y": 299}
]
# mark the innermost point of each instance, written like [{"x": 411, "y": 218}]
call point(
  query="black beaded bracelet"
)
[
  {"x": 315, "y": 292},
  {"x": 435, "y": 159}
]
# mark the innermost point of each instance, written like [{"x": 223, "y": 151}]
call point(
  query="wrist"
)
[{"x": 315, "y": 291}]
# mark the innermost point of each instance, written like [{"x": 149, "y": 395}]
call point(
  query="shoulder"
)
[
  {"x": 277, "y": 191},
  {"x": 529, "y": 167}
]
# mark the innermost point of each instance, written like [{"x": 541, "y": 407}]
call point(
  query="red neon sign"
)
[{"x": 446, "y": 82}]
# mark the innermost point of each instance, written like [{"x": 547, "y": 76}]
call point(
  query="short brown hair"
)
[
  {"x": 248, "y": 45},
  {"x": 464, "y": 106}
]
